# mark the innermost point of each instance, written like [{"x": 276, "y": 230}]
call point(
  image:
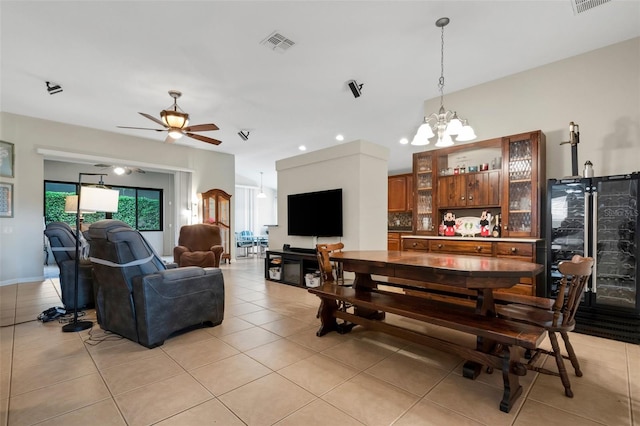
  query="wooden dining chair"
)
[
  {"x": 560, "y": 319},
  {"x": 330, "y": 271}
]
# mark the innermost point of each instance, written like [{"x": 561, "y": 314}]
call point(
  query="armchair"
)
[
  {"x": 199, "y": 245},
  {"x": 62, "y": 240},
  {"x": 138, "y": 298}
]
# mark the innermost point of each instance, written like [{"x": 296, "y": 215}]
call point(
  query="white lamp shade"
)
[
  {"x": 455, "y": 125},
  {"x": 466, "y": 134},
  {"x": 71, "y": 205},
  {"x": 444, "y": 141},
  {"x": 98, "y": 199},
  {"x": 422, "y": 135},
  {"x": 175, "y": 133}
]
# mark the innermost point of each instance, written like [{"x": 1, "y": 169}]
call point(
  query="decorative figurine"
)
[
  {"x": 449, "y": 223},
  {"x": 485, "y": 221}
]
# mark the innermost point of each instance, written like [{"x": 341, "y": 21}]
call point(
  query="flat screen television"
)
[{"x": 315, "y": 214}]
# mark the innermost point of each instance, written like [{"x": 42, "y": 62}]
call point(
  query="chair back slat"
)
[
  {"x": 575, "y": 275},
  {"x": 328, "y": 271}
]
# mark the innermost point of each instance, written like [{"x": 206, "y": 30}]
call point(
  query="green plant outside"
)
[{"x": 148, "y": 209}]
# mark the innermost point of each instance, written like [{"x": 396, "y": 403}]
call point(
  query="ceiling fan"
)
[
  {"x": 121, "y": 170},
  {"x": 176, "y": 122}
]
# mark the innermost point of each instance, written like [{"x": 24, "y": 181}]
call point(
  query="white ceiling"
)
[{"x": 114, "y": 59}]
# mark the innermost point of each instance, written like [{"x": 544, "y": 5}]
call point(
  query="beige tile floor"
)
[{"x": 264, "y": 365}]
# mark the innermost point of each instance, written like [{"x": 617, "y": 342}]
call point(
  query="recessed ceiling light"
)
[
  {"x": 404, "y": 141},
  {"x": 339, "y": 138},
  {"x": 302, "y": 148}
]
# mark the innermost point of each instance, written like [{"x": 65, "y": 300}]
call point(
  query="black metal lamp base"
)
[{"x": 77, "y": 326}]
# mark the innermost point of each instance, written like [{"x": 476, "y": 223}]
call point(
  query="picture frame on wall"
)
[
  {"x": 6, "y": 159},
  {"x": 6, "y": 199}
]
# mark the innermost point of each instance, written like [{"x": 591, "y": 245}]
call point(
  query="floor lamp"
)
[{"x": 90, "y": 198}]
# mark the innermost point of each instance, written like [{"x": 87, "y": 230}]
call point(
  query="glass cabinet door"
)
[
  {"x": 423, "y": 166},
  {"x": 520, "y": 215}
]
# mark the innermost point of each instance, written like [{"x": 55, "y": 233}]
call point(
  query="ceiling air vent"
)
[
  {"x": 580, "y": 6},
  {"x": 278, "y": 42}
]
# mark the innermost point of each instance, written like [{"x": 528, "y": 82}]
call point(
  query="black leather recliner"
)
[
  {"x": 138, "y": 297},
  {"x": 62, "y": 240}
]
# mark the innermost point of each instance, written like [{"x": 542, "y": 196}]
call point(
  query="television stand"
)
[
  {"x": 287, "y": 248},
  {"x": 290, "y": 266}
]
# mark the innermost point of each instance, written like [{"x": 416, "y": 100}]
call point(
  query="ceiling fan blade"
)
[
  {"x": 102, "y": 166},
  {"x": 152, "y": 118},
  {"x": 142, "y": 128},
  {"x": 201, "y": 128},
  {"x": 203, "y": 138}
]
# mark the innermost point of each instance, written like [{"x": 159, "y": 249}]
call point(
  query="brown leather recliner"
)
[{"x": 199, "y": 245}]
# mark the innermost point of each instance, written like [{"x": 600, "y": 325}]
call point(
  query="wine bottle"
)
[{"x": 496, "y": 232}]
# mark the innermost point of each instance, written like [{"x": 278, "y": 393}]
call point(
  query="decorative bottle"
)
[{"x": 497, "y": 228}]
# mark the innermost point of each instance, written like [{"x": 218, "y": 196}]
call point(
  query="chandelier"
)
[{"x": 444, "y": 123}]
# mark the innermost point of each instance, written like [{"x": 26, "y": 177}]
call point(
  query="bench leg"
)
[
  {"x": 485, "y": 305},
  {"x": 510, "y": 372},
  {"x": 327, "y": 318}
]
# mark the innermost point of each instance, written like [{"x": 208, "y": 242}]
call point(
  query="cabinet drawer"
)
[
  {"x": 515, "y": 249},
  {"x": 479, "y": 248},
  {"x": 411, "y": 244}
]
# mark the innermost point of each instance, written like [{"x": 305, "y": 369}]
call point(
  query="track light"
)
[
  {"x": 53, "y": 88},
  {"x": 356, "y": 88},
  {"x": 243, "y": 135}
]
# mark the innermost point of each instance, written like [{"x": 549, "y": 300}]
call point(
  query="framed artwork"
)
[
  {"x": 6, "y": 159},
  {"x": 6, "y": 199}
]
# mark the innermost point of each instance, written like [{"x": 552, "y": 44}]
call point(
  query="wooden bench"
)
[{"x": 503, "y": 340}]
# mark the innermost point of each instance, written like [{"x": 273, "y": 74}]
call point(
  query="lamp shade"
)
[
  {"x": 71, "y": 205},
  {"x": 98, "y": 199},
  {"x": 174, "y": 119}
]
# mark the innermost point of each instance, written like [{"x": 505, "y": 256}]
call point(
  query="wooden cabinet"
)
[
  {"x": 478, "y": 189},
  {"x": 400, "y": 193},
  {"x": 528, "y": 250},
  {"x": 506, "y": 178},
  {"x": 216, "y": 209},
  {"x": 524, "y": 171},
  {"x": 394, "y": 239},
  {"x": 423, "y": 178},
  {"x": 477, "y": 248}
]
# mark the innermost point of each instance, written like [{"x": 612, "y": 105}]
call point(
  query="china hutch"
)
[
  {"x": 216, "y": 209},
  {"x": 502, "y": 177}
]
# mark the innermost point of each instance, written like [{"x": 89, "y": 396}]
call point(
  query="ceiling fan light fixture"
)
[
  {"x": 174, "y": 119},
  {"x": 175, "y": 133},
  {"x": 119, "y": 170}
]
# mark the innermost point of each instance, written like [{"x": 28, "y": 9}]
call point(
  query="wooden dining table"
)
[{"x": 482, "y": 274}]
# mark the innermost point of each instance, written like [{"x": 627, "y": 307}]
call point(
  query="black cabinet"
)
[{"x": 290, "y": 267}]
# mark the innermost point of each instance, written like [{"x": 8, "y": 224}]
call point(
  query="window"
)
[{"x": 141, "y": 208}]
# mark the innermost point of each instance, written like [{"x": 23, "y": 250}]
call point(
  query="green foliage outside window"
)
[{"x": 148, "y": 211}]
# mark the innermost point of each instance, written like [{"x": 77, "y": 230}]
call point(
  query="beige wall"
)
[
  {"x": 599, "y": 90},
  {"x": 360, "y": 169},
  {"x": 21, "y": 237}
]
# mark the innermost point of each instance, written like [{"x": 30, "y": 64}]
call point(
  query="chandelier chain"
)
[{"x": 441, "y": 80}]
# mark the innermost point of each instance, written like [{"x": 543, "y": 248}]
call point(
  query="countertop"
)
[{"x": 489, "y": 239}]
